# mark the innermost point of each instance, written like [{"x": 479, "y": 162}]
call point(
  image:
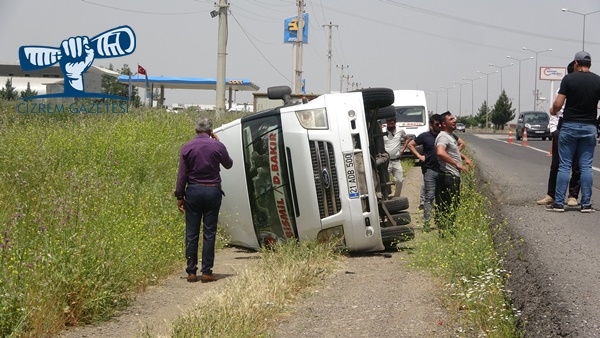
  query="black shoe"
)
[
  {"x": 587, "y": 208},
  {"x": 555, "y": 207}
]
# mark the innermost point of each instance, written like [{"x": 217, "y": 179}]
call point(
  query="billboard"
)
[
  {"x": 552, "y": 73},
  {"x": 290, "y": 29}
]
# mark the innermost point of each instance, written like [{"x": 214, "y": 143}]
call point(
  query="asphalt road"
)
[{"x": 555, "y": 256}]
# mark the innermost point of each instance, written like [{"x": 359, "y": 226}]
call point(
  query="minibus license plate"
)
[{"x": 351, "y": 175}]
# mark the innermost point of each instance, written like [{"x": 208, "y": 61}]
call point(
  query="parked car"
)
[
  {"x": 460, "y": 127},
  {"x": 536, "y": 123}
]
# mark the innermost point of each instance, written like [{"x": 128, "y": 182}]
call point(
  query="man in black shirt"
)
[
  {"x": 581, "y": 90},
  {"x": 430, "y": 166}
]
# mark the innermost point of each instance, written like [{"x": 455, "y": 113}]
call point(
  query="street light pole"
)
[
  {"x": 446, "y": 95},
  {"x": 436, "y": 100},
  {"x": 487, "y": 102},
  {"x": 460, "y": 96},
  {"x": 501, "y": 68},
  {"x": 584, "y": 15},
  {"x": 529, "y": 58},
  {"x": 535, "y": 91},
  {"x": 472, "y": 91}
]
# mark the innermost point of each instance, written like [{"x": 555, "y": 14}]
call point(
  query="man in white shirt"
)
[{"x": 395, "y": 141}]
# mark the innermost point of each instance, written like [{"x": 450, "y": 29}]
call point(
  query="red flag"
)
[{"x": 141, "y": 70}]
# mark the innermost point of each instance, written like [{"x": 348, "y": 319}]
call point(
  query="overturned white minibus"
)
[{"x": 309, "y": 171}]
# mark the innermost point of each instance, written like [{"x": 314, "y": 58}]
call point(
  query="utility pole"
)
[
  {"x": 221, "y": 59},
  {"x": 348, "y": 77},
  {"x": 299, "y": 43},
  {"x": 342, "y": 67},
  {"x": 329, "y": 54}
]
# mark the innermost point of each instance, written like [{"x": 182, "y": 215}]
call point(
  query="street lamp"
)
[
  {"x": 501, "y": 68},
  {"x": 535, "y": 91},
  {"x": 529, "y": 58},
  {"x": 477, "y": 78},
  {"x": 584, "y": 15},
  {"x": 487, "y": 102},
  {"x": 436, "y": 100},
  {"x": 446, "y": 94},
  {"x": 460, "y": 96}
]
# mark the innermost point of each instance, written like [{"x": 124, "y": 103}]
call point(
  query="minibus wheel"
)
[
  {"x": 396, "y": 204},
  {"x": 374, "y": 98}
]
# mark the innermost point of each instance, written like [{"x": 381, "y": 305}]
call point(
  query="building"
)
[{"x": 50, "y": 80}]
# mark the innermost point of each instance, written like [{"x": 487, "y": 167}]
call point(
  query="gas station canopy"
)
[{"x": 188, "y": 83}]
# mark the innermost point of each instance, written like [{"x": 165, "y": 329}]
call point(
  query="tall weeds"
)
[{"x": 88, "y": 214}]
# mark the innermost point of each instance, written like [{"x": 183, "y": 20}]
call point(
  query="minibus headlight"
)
[{"x": 313, "y": 118}]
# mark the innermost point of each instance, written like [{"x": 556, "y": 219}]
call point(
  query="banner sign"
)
[
  {"x": 552, "y": 73},
  {"x": 290, "y": 29}
]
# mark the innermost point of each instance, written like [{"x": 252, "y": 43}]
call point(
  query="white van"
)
[
  {"x": 411, "y": 113},
  {"x": 312, "y": 171}
]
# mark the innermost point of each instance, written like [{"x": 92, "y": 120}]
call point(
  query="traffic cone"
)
[
  {"x": 524, "y": 142},
  {"x": 510, "y": 139}
]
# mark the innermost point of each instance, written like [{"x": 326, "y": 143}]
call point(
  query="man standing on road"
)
[
  {"x": 395, "y": 141},
  {"x": 429, "y": 166},
  {"x": 199, "y": 195},
  {"x": 574, "y": 186},
  {"x": 447, "y": 189},
  {"x": 581, "y": 90}
]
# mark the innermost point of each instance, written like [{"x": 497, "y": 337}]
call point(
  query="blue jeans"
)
[
  {"x": 575, "y": 138},
  {"x": 429, "y": 178},
  {"x": 201, "y": 201}
]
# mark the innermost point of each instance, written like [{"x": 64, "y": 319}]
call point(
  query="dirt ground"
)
[{"x": 375, "y": 295}]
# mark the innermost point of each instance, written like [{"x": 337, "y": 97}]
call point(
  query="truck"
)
[{"x": 312, "y": 171}]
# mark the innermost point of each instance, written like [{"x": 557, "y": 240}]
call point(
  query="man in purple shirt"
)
[{"x": 199, "y": 195}]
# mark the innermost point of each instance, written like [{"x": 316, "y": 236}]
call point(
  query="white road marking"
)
[{"x": 504, "y": 139}]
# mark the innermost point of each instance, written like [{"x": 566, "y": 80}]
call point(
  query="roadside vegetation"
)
[
  {"x": 250, "y": 303},
  {"x": 88, "y": 215},
  {"x": 89, "y": 219},
  {"x": 467, "y": 261}
]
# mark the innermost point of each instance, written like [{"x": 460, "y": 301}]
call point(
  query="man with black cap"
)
[
  {"x": 574, "y": 186},
  {"x": 395, "y": 141},
  {"x": 581, "y": 90}
]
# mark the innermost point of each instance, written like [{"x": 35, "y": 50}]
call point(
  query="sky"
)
[{"x": 431, "y": 45}]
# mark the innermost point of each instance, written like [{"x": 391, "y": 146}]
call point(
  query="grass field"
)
[{"x": 88, "y": 214}]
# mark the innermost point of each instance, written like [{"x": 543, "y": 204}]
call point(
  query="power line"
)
[
  {"x": 257, "y": 49},
  {"x": 480, "y": 24},
  {"x": 409, "y": 29},
  {"x": 141, "y": 12}
]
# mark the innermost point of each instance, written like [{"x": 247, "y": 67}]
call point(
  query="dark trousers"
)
[
  {"x": 447, "y": 198},
  {"x": 201, "y": 202},
  {"x": 574, "y": 183}
]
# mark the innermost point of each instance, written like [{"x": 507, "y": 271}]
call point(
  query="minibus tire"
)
[
  {"x": 401, "y": 218},
  {"x": 397, "y": 233},
  {"x": 396, "y": 204},
  {"x": 386, "y": 112},
  {"x": 375, "y": 98}
]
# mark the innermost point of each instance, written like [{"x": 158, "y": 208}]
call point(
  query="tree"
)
[
  {"x": 469, "y": 121},
  {"x": 28, "y": 92},
  {"x": 502, "y": 112},
  {"x": 483, "y": 112},
  {"x": 8, "y": 92},
  {"x": 111, "y": 85}
]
